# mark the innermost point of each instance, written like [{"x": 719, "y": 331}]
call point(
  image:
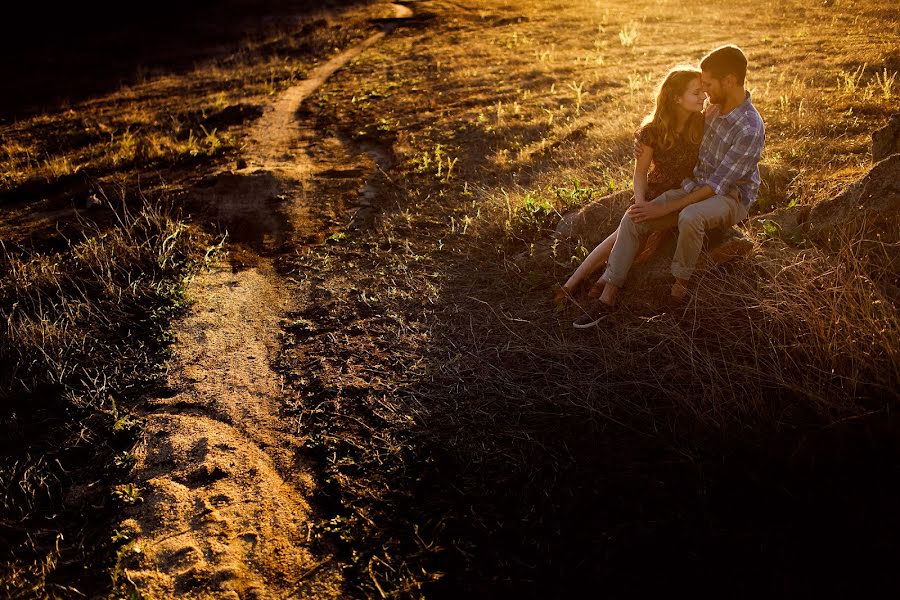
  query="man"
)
[{"x": 723, "y": 187}]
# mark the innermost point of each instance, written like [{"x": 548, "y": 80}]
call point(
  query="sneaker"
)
[
  {"x": 595, "y": 312},
  {"x": 597, "y": 289}
]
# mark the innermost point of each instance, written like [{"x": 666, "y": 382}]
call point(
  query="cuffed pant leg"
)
[
  {"x": 693, "y": 223},
  {"x": 629, "y": 239}
]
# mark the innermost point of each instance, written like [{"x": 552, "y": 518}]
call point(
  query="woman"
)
[{"x": 669, "y": 142}]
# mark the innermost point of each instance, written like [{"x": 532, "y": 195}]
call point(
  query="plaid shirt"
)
[{"x": 729, "y": 153}]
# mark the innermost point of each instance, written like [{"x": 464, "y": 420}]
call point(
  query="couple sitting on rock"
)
[{"x": 696, "y": 167}]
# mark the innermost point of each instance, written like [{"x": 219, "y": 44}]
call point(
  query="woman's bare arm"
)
[{"x": 641, "y": 168}]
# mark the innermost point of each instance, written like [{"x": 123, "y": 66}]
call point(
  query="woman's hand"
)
[{"x": 645, "y": 211}]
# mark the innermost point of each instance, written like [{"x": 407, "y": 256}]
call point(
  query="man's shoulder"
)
[
  {"x": 748, "y": 123},
  {"x": 751, "y": 118}
]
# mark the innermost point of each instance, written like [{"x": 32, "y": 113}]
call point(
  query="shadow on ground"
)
[{"x": 77, "y": 51}]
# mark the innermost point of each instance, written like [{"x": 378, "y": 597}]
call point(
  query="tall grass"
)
[
  {"x": 791, "y": 337},
  {"x": 82, "y": 334}
]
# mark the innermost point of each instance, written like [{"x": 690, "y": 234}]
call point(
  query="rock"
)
[
  {"x": 649, "y": 283},
  {"x": 886, "y": 141},
  {"x": 790, "y": 221},
  {"x": 594, "y": 221},
  {"x": 874, "y": 199},
  {"x": 724, "y": 245},
  {"x": 653, "y": 278}
]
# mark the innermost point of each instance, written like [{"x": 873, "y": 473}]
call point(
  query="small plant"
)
[
  {"x": 213, "y": 142},
  {"x": 578, "y": 88},
  {"x": 546, "y": 56},
  {"x": 848, "y": 81},
  {"x": 449, "y": 172},
  {"x": 128, "y": 494},
  {"x": 629, "y": 34},
  {"x": 123, "y": 460},
  {"x": 530, "y": 219},
  {"x": 884, "y": 83},
  {"x": 577, "y": 195}
]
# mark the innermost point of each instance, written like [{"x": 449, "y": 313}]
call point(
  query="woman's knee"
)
[{"x": 627, "y": 224}]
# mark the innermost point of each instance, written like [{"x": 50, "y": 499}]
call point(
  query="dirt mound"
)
[{"x": 224, "y": 510}]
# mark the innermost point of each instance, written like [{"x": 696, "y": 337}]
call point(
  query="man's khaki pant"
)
[{"x": 693, "y": 222}]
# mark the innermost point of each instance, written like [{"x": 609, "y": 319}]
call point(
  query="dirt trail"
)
[{"x": 224, "y": 511}]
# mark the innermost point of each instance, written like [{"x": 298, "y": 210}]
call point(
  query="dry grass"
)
[
  {"x": 525, "y": 111},
  {"x": 467, "y": 430},
  {"x": 84, "y": 331},
  {"x": 170, "y": 121},
  {"x": 86, "y": 320},
  {"x": 468, "y": 439}
]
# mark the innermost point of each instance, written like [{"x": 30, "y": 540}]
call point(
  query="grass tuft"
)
[{"x": 83, "y": 333}]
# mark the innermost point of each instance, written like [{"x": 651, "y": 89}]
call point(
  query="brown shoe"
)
[
  {"x": 565, "y": 295},
  {"x": 597, "y": 289}
]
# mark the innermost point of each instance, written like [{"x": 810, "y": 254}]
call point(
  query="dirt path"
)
[{"x": 224, "y": 511}]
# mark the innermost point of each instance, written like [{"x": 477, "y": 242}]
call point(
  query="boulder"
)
[
  {"x": 649, "y": 283},
  {"x": 874, "y": 199},
  {"x": 789, "y": 221},
  {"x": 886, "y": 141},
  {"x": 594, "y": 221}
]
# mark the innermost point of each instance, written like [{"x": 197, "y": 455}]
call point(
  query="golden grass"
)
[
  {"x": 483, "y": 384},
  {"x": 494, "y": 110}
]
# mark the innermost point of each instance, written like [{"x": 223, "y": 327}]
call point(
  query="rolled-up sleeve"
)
[
  {"x": 741, "y": 158},
  {"x": 689, "y": 185}
]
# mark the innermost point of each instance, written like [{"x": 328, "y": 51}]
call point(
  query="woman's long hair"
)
[{"x": 663, "y": 118}]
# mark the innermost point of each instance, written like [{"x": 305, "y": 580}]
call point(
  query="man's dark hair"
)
[{"x": 726, "y": 60}]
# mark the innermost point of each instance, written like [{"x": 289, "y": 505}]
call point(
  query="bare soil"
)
[{"x": 226, "y": 508}]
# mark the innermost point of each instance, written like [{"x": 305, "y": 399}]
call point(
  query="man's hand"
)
[{"x": 644, "y": 211}]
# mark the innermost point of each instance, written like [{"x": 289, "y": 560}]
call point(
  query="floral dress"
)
[{"x": 669, "y": 167}]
